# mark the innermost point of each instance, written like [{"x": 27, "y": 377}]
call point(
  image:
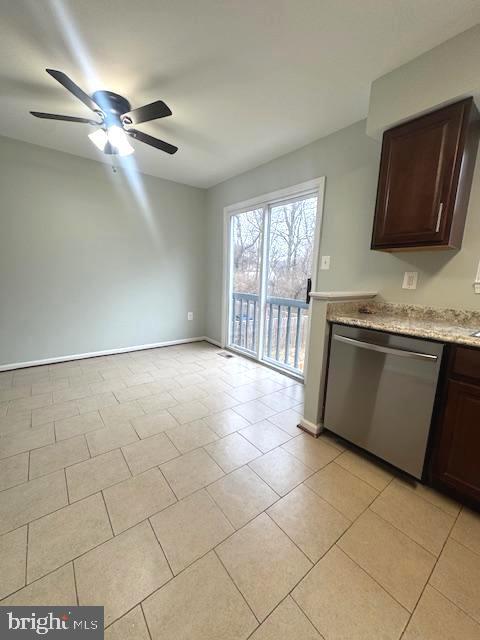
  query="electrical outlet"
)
[
  {"x": 410, "y": 279},
  {"x": 190, "y": 315},
  {"x": 325, "y": 263}
]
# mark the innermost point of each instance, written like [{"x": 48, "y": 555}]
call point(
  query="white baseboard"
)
[
  {"x": 106, "y": 352},
  {"x": 216, "y": 343},
  {"x": 311, "y": 427}
]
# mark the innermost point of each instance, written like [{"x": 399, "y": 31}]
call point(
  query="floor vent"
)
[{"x": 225, "y": 354}]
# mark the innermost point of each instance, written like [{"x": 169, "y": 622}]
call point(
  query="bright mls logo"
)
[{"x": 20, "y": 623}]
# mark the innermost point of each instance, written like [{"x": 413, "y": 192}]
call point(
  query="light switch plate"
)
[
  {"x": 410, "y": 279},
  {"x": 190, "y": 315},
  {"x": 325, "y": 263}
]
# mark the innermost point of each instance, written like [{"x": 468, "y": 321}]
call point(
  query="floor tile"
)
[
  {"x": 96, "y": 402},
  {"x": 369, "y": 471},
  {"x": 265, "y": 435},
  {"x": 189, "y": 529},
  {"x": 95, "y": 474},
  {"x": 148, "y": 453},
  {"x": 12, "y": 393},
  {"x": 467, "y": 530},
  {"x": 279, "y": 401},
  {"x": 157, "y": 402},
  {"x": 137, "y": 498},
  {"x": 15, "y": 422},
  {"x": 31, "y": 500},
  {"x": 244, "y": 392},
  {"x": 13, "y": 556},
  {"x": 133, "y": 393},
  {"x": 13, "y": 471},
  {"x": 457, "y": 576},
  {"x": 219, "y": 402},
  {"x": 77, "y": 425},
  {"x": 191, "y": 436},
  {"x": 58, "y": 456},
  {"x": 122, "y": 572},
  {"x": 309, "y": 521},
  {"x": 347, "y": 493},
  {"x": 64, "y": 535},
  {"x": 119, "y": 413},
  {"x": 287, "y": 622},
  {"x": 296, "y": 391},
  {"x": 12, "y": 444},
  {"x": 54, "y": 412},
  {"x": 131, "y": 626},
  {"x": 30, "y": 403},
  {"x": 264, "y": 564},
  {"x": 189, "y": 411},
  {"x": 314, "y": 452},
  {"x": 343, "y": 602},
  {"x": 184, "y": 395},
  {"x": 287, "y": 420},
  {"x": 72, "y": 392},
  {"x": 110, "y": 438},
  {"x": 225, "y": 422},
  {"x": 211, "y": 606},
  {"x": 254, "y": 411},
  {"x": 232, "y": 452},
  {"x": 56, "y": 589},
  {"x": 443, "y": 502},
  {"x": 154, "y": 423},
  {"x": 280, "y": 470},
  {"x": 373, "y": 543},
  {"x": 190, "y": 472},
  {"x": 436, "y": 618},
  {"x": 242, "y": 495},
  {"x": 419, "y": 519}
]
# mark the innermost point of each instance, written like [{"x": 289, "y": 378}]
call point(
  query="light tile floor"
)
[{"x": 173, "y": 487}]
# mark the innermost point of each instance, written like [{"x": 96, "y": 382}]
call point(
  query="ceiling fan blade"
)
[
  {"x": 148, "y": 112},
  {"x": 153, "y": 142},
  {"x": 64, "y": 80},
  {"x": 55, "y": 116}
]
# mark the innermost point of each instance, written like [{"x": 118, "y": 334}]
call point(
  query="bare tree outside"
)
[
  {"x": 290, "y": 252},
  {"x": 292, "y": 228}
]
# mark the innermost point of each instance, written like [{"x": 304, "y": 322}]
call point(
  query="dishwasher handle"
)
[{"x": 388, "y": 350}]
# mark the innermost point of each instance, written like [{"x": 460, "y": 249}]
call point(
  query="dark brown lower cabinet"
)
[{"x": 456, "y": 454}]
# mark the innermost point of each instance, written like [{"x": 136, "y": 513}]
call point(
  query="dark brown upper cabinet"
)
[{"x": 426, "y": 171}]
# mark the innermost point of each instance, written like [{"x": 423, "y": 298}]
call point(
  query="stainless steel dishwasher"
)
[{"x": 380, "y": 393}]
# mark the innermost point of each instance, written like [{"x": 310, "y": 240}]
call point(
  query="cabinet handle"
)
[{"x": 439, "y": 217}]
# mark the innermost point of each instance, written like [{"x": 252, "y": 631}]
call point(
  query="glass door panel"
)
[
  {"x": 290, "y": 246},
  {"x": 246, "y": 270}
]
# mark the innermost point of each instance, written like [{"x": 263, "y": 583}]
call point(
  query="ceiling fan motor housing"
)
[{"x": 113, "y": 106}]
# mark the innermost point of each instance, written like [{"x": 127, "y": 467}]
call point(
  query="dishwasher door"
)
[{"x": 380, "y": 393}]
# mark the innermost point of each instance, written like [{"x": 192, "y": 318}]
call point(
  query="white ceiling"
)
[{"x": 247, "y": 80}]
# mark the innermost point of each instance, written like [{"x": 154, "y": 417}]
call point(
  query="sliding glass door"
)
[
  {"x": 246, "y": 242},
  {"x": 271, "y": 250}
]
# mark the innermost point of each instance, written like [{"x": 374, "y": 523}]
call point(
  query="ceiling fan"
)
[{"x": 116, "y": 118}]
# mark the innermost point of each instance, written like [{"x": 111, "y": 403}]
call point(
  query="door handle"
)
[
  {"x": 439, "y": 217},
  {"x": 309, "y": 289},
  {"x": 388, "y": 350}
]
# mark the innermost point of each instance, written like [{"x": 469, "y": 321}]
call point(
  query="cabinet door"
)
[
  {"x": 418, "y": 177},
  {"x": 457, "y": 461}
]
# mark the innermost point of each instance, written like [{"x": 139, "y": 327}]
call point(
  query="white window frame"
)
[{"x": 264, "y": 201}]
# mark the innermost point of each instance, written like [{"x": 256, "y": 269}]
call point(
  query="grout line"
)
[
  {"x": 108, "y": 515},
  {"x": 234, "y": 583},
  {"x": 145, "y": 618},
  {"x": 437, "y": 558}
]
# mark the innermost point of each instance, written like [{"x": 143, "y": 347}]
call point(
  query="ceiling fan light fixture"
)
[
  {"x": 115, "y": 138},
  {"x": 99, "y": 138},
  {"x": 118, "y": 139}
]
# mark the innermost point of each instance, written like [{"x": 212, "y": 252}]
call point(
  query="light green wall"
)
[
  {"x": 349, "y": 160},
  {"x": 83, "y": 267}
]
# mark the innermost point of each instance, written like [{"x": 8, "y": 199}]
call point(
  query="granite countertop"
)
[{"x": 443, "y": 325}]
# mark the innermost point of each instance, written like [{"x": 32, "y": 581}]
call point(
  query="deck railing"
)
[{"x": 285, "y": 323}]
